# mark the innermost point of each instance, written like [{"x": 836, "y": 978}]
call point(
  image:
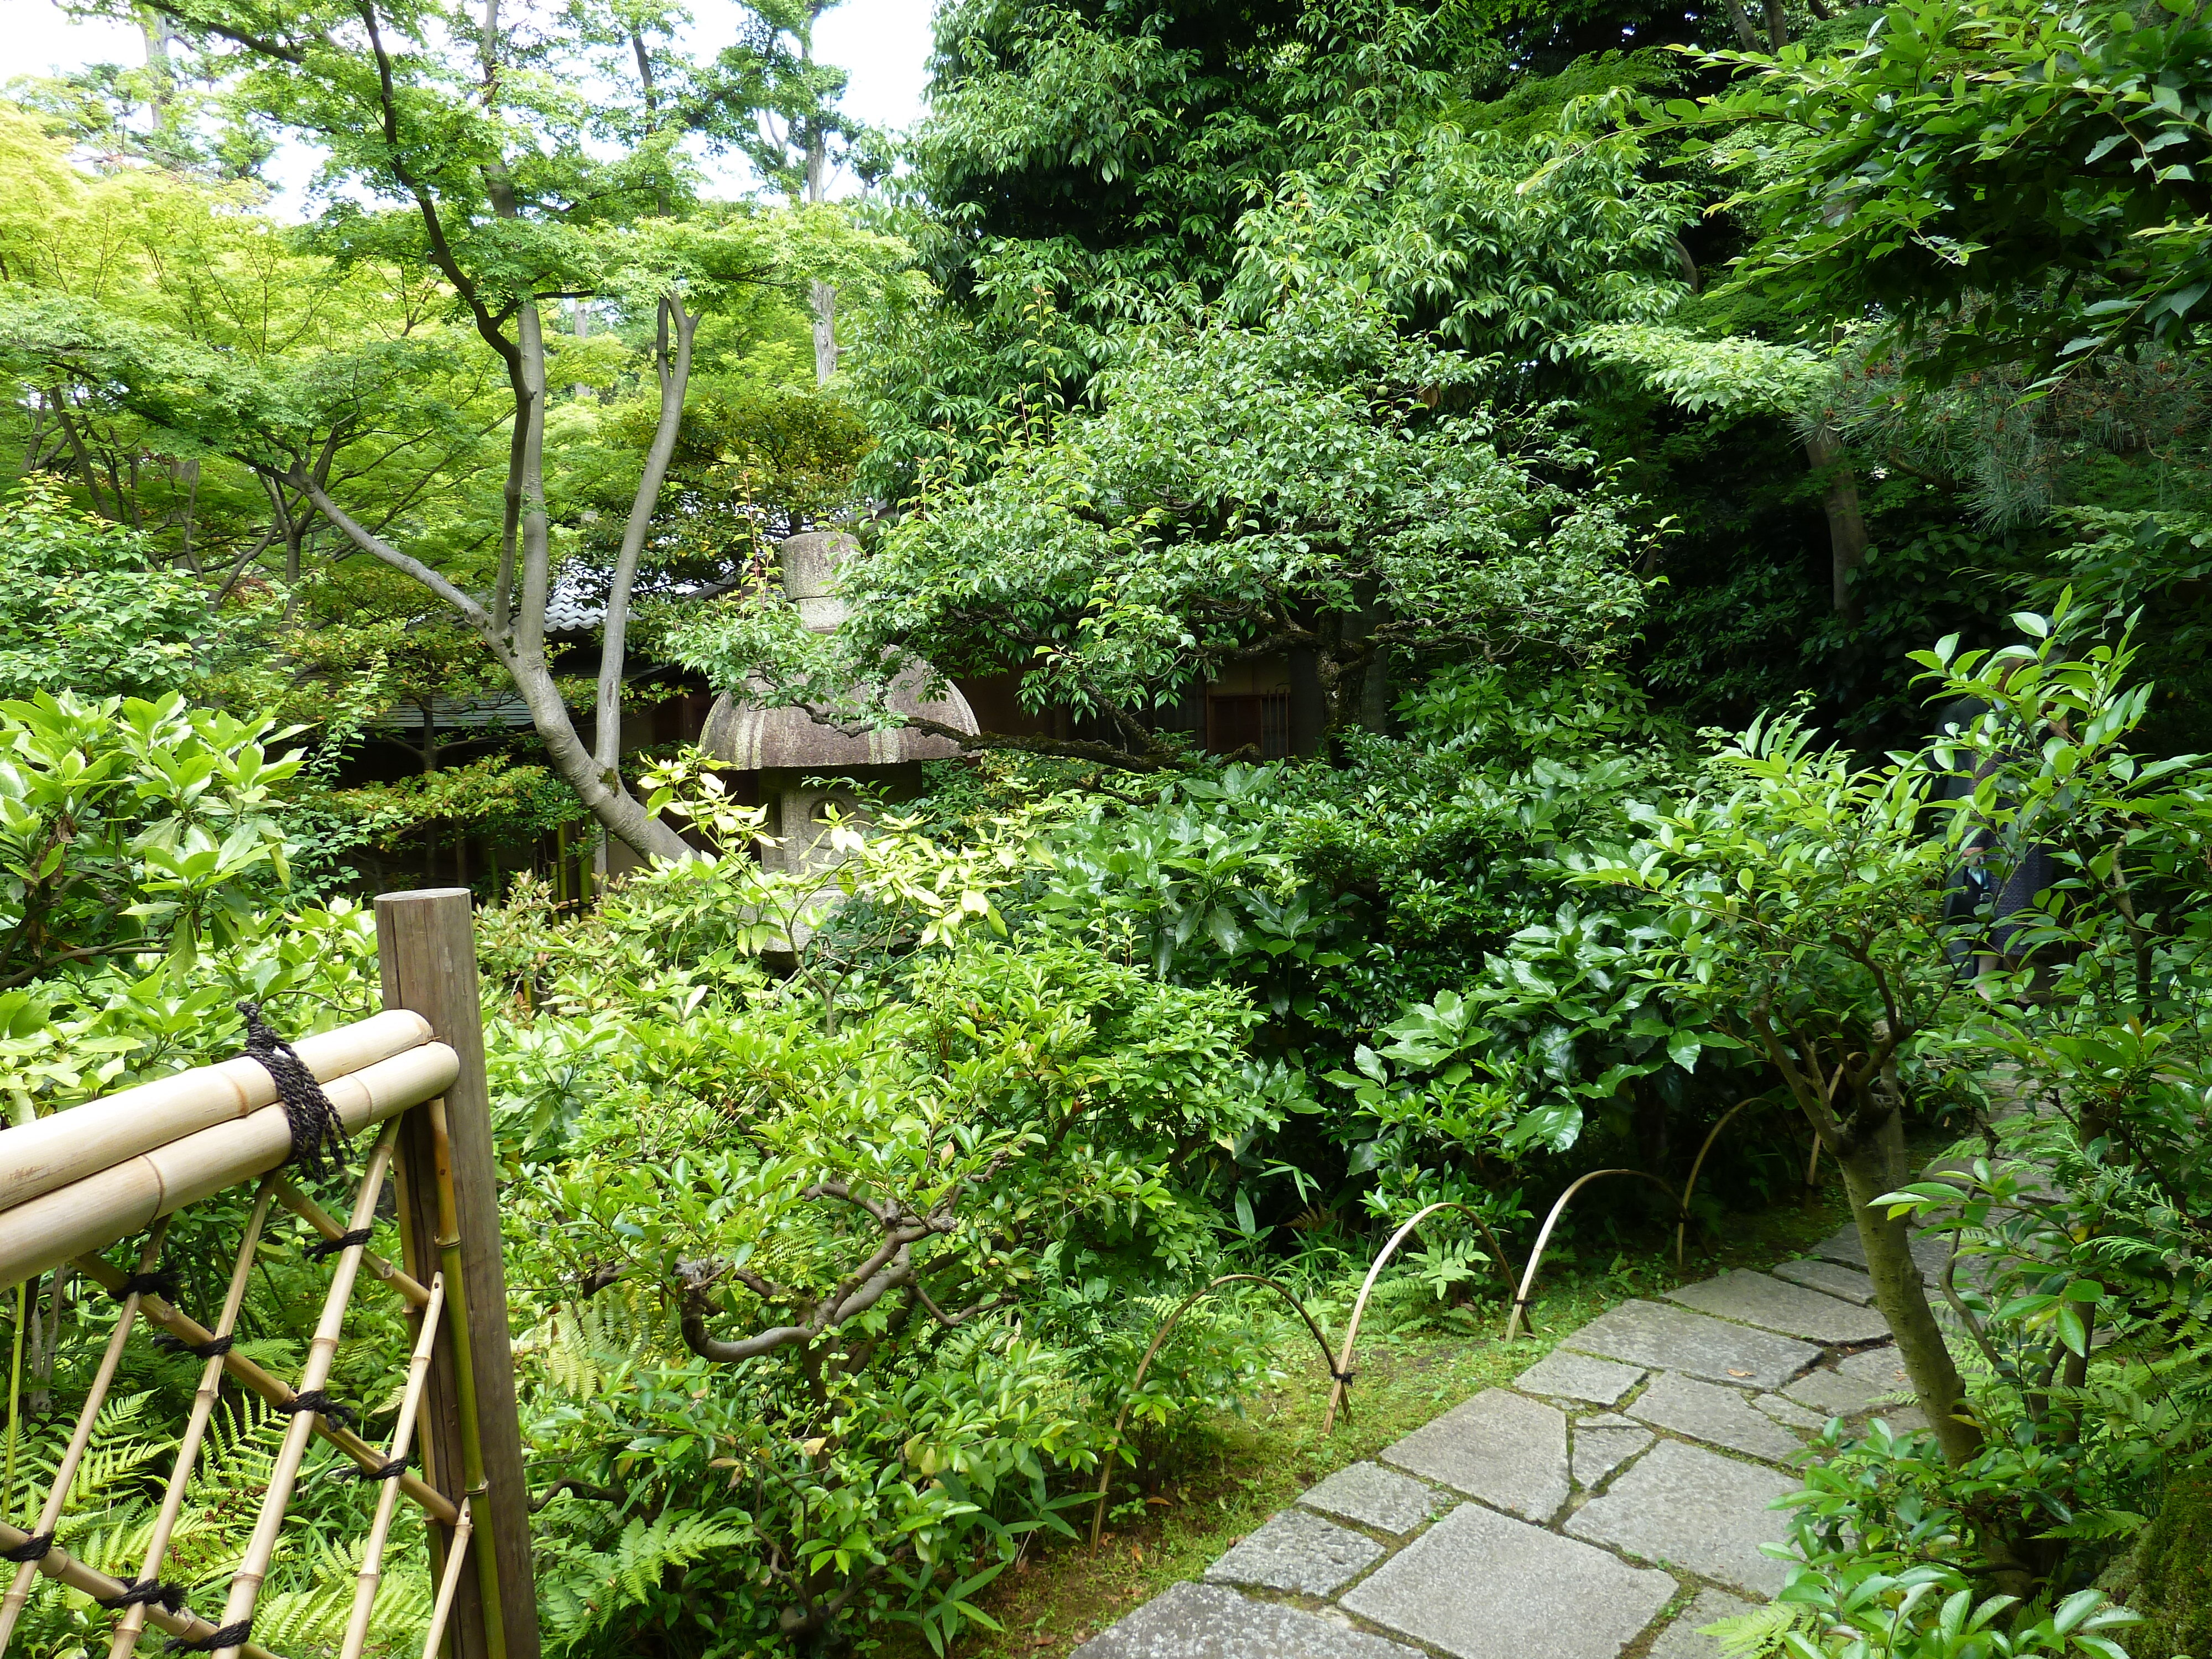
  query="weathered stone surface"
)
[
  {"x": 1788, "y": 1414},
  {"x": 1833, "y": 1395},
  {"x": 1883, "y": 1369},
  {"x": 1579, "y": 1376},
  {"x": 1849, "y": 1282},
  {"x": 1719, "y": 1416},
  {"x": 1842, "y": 1246},
  {"x": 1210, "y": 1621},
  {"x": 1696, "y": 1509},
  {"x": 1758, "y": 1299},
  {"x": 1297, "y": 1551},
  {"x": 1662, "y": 1338},
  {"x": 1682, "y": 1639},
  {"x": 1479, "y": 1585},
  {"x": 1507, "y": 1450},
  {"x": 1376, "y": 1496},
  {"x": 1602, "y": 1445}
]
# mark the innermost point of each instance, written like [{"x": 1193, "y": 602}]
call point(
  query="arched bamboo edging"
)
[
  {"x": 1340, "y": 1372},
  {"x": 1682, "y": 1217},
  {"x": 1106, "y": 1463},
  {"x": 1536, "y": 1256}
]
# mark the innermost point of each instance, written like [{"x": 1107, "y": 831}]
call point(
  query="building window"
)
[{"x": 1260, "y": 719}]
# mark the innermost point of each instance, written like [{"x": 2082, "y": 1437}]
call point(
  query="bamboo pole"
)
[
  {"x": 465, "y": 1382},
  {"x": 402, "y": 1438},
  {"x": 1340, "y": 1371},
  {"x": 1544, "y": 1237},
  {"x": 125, "y": 1641},
  {"x": 1690, "y": 1187},
  {"x": 290, "y": 1195},
  {"x": 18, "y": 1589},
  {"x": 122, "y": 1198},
  {"x": 57, "y": 1563},
  {"x": 65, "y": 1147},
  {"x": 426, "y": 952},
  {"x": 435, "y": 1503},
  {"x": 448, "y": 1582},
  {"x": 322, "y": 1352}
]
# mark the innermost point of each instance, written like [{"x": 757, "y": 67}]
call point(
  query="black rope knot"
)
[
  {"x": 137, "y": 1591},
  {"x": 321, "y": 1403},
  {"x": 331, "y": 1247},
  {"x": 214, "y": 1348},
  {"x": 389, "y": 1471},
  {"x": 230, "y": 1636},
  {"x": 162, "y": 1284},
  {"x": 1344, "y": 1377},
  {"x": 314, "y": 1120},
  {"x": 33, "y": 1548}
]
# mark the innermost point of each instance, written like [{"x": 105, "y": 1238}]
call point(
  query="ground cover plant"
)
[{"x": 1735, "y": 491}]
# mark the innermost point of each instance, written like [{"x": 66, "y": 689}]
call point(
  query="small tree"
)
[
  {"x": 1803, "y": 910},
  {"x": 1317, "y": 483}
]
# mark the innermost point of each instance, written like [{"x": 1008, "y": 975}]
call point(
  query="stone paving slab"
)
[
  {"x": 1297, "y": 1551},
  {"x": 1567, "y": 1376},
  {"x": 1814, "y": 1274},
  {"x": 1210, "y": 1621},
  {"x": 1695, "y": 1509},
  {"x": 1602, "y": 1445},
  {"x": 1758, "y": 1299},
  {"x": 1509, "y": 1451},
  {"x": 1718, "y": 1416},
  {"x": 1481, "y": 1585},
  {"x": 1881, "y": 1368},
  {"x": 1376, "y": 1496},
  {"x": 1662, "y": 1338},
  {"x": 1844, "y": 1248},
  {"x": 1831, "y": 1394},
  {"x": 1789, "y": 1413},
  {"x": 1682, "y": 1639}
]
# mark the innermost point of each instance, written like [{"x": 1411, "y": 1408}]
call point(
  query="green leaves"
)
[
  {"x": 1950, "y": 155},
  {"x": 130, "y": 824}
]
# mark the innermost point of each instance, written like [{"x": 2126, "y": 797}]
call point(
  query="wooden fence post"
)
[{"x": 426, "y": 945}]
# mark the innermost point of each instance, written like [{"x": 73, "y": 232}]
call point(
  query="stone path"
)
[{"x": 1612, "y": 1501}]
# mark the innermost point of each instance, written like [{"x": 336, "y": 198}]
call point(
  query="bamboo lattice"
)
[{"x": 188, "y": 1137}]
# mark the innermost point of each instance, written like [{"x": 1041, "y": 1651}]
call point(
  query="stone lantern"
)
[{"x": 785, "y": 747}]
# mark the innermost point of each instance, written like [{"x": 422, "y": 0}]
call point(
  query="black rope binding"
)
[
  {"x": 33, "y": 1548},
  {"x": 230, "y": 1636},
  {"x": 331, "y": 1247},
  {"x": 214, "y": 1348},
  {"x": 390, "y": 1471},
  {"x": 314, "y": 1120},
  {"x": 162, "y": 1284},
  {"x": 150, "y": 1590},
  {"x": 321, "y": 1403}
]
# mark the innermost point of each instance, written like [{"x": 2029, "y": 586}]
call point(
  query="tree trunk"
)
[
  {"x": 673, "y": 366},
  {"x": 1847, "y": 535},
  {"x": 603, "y": 795},
  {"x": 822, "y": 296},
  {"x": 1747, "y": 36},
  {"x": 1872, "y": 1166}
]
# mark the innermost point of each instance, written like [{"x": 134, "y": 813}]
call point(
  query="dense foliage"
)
[{"x": 1536, "y": 403}]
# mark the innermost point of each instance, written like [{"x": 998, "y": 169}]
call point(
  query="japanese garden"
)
[{"x": 1340, "y": 829}]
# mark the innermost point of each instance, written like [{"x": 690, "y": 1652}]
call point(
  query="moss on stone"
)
[{"x": 2167, "y": 1576}]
